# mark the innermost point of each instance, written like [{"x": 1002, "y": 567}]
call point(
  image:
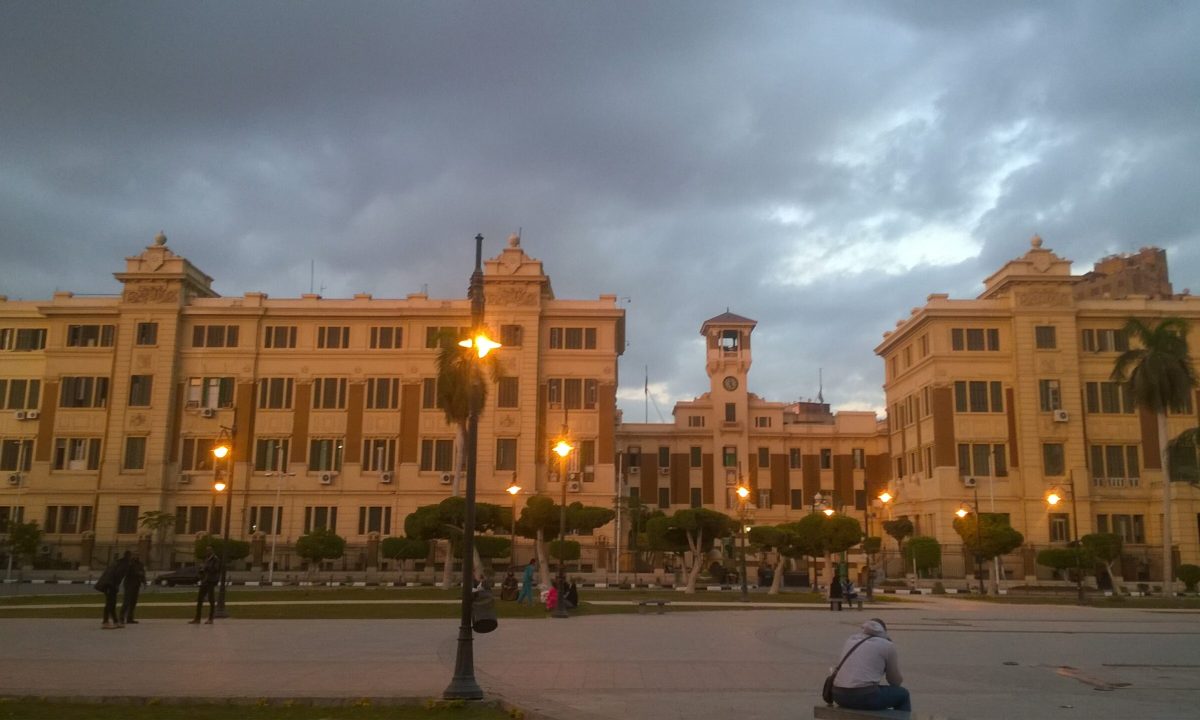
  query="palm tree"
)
[
  {"x": 462, "y": 387},
  {"x": 1160, "y": 376}
]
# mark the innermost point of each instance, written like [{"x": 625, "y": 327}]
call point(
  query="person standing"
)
[
  {"x": 210, "y": 575},
  {"x": 109, "y": 583},
  {"x": 527, "y": 583},
  {"x": 135, "y": 578},
  {"x": 867, "y": 658}
]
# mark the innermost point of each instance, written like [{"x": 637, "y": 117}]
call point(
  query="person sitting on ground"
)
[
  {"x": 872, "y": 657},
  {"x": 571, "y": 597},
  {"x": 508, "y": 588},
  {"x": 552, "y": 596}
]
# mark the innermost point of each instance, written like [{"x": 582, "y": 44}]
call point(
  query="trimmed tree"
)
[
  {"x": 320, "y": 545},
  {"x": 24, "y": 539},
  {"x": 1104, "y": 548},
  {"x": 1190, "y": 575},
  {"x": 446, "y": 521},
  {"x": 565, "y": 550},
  {"x": 404, "y": 548},
  {"x": 923, "y": 552},
  {"x": 784, "y": 539},
  {"x": 809, "y": 540},
  {"x": 539, "y": 520},
  {"x": 699, "y": 528},
  {"x": 157, "y": 522},
  {"x": 237, "y": 550},
  {"x": 1157, "y": 371},
  {"x": 987, "y": 536},
  {"x": 1064, "y": 559},
  {"x": 898, "y": 530}
]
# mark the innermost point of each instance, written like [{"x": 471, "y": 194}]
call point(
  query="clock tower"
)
[{"x": 727, "y": 362}]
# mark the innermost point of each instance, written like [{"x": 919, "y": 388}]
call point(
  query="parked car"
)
[{"x": 186, "y": 575}]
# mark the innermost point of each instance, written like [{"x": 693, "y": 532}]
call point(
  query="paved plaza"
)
[{"x": 961, "y": 659}]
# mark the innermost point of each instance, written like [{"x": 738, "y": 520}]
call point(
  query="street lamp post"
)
[
  {"x": 743, "y": 494},
  {"x": 513, "y": 489},
  {"x": 562, "y": 448},
  {"x": 463, "y": 685},
  {"x": 1053, "y": 499},
  {"x": 277, "y": 516},
  {"x": 884, "y": 498},
  {"x": 224, "y": 451},
  {"x": 19, "y": 476},
  {"x": 963, "y": 512}
]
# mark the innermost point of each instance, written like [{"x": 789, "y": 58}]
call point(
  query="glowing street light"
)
[
  {"x": 743, "y": 494},
  {"x": 513, "y": 489},
  {"x": 223, "y": 450},
  {"x": 562, "y": 449},
  {"x": 481, "y": 343}
]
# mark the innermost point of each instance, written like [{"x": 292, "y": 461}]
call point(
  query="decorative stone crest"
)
[
  {"x": 151, "y": 293},
  {"x": 1044, "y": 297},
  {"x": 511, "y": 295}
]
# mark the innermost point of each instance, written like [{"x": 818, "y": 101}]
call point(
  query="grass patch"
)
[{"x": 37, "y": 709}]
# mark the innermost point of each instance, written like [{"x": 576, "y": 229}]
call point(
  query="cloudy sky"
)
[{"x": 819, "y": 167}]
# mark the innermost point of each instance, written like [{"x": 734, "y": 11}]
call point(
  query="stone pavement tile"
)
[{"x": 600, "y": 676}]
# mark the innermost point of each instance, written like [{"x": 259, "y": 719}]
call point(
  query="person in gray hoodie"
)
[{"x": 872, "y": 658}]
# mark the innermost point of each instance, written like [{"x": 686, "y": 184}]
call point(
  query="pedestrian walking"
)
[
  {"x": 527, "y": 583},
  {"x": 210, "y": 575},
  {"x": 135, "y": 578},
  {"x": 109, "y": 583}
]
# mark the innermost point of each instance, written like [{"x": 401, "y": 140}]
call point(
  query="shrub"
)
[
  {"x": 1190, "y": 575},
  {"x": 923, "y": 551}
]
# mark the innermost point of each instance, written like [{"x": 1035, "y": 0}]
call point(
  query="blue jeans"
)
[{"x": 882, "y": 697}]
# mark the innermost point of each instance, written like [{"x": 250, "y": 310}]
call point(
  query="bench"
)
[
  {"x": 643, "y": 604},
  {"x": 833, "y": 712},
  {"x": 836, "y": 603}
]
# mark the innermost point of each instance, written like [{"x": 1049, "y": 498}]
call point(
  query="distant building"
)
[{"x": 1117, "y": 277}]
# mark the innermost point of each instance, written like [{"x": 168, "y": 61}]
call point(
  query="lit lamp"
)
[
  {"x": 1053, "y": 498},
  {"x": 223, "y": 450},
  {"x": 964, "y": 510},
  {"x": 743, "y": 494},
  {"x": 884, "y": 497},
  {"x": 513, "y": 489},
  {"x": 562, "y": 449},
  {"x": 463, "y": 685}
]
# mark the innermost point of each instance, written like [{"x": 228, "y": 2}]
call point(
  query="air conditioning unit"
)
[
  {"x": 574, "y": 486},
  {"x": 32, "y": 415},
  {"x": 552, "y": 477},
  {"x": 185, "y": 479},
  {"x": 207, "y": 412},
  {"x": 20, "y": 414},
  {"x": 446, "y": 478},
  {"x": 14, "y": 479},
  {"x": 969, "y": 481},
  {"x": 327, "y": 478},
  {"x": 385, "y": 477},
  {"x": 635, "y": 470},
  {"x": 664, "y": 471},
  {"x": 1061, "y": 416}
]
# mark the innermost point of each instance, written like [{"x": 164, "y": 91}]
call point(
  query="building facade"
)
[
  {"x": 111, "y": 406},
  {"x": 1009, "y": 396}
]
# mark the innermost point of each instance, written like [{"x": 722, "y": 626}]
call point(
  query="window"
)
[
  {"x": 764, "y": 499},
  {"x": 506, "y": 454},
  {"x": 634, "y": 456},
  {"x": 19, "y": 394},
  {"x": 146, "y": 334},
  {"x": 554, "y": 392},
  {"x": 762, "y": 422},
  {"x": 1131, "y": 528},
  {"x": 510, "y": 335},
  {"x": 329, "y": 394},
  {"x": 270, "y": 453},
  {"x": 135, "y": 453},
  {"x": 573, "y": 393},
  {"x": 1045, "y": 337},
  {"x": 83, "y": 392},
  {"x": 210, "y": 392},
  {"x": 587, "y": 459},
  {"x": 443, "y": 336},
  {"x": 1049, "y": 395},
  {"x": 764, "y": 457},
  {"x": 664, "y": 497},
  {"x": 1105, "y": 341},
  {"x": 333, "y": 337},
  {"x": 280, "y": 337},
  {"x": 978, "y": 396},
  {"x": 590, "y": 393},
  {"x": 325, "y": 454},
  {"x": 214, "y": 336},
  {"x": 197, "y": 455},
  {"x": 826, "y": 458},
  {"x": 982, "y": 459},
  {"x": 908, "y": 356},
  {"x": 923, "y": 345},
  {"x": 16, "y": 455},
  {"x": 320, "y": 518},
  {"x": 695, "y": 497},
  {"x": 15, "y": 513},
  {"x": 696, "y": 421},
  {"x": 508, "y": 392},
  {"x": 275, "y": 393},
  {"x": 76, "y": 454},
  {"x": 265, "y": 519},
  {"x": 1184, "y": 408},
  {"x": 1115, "y": 466},
  {"x": 1060, "y": 527},
  {"x": 730, "y": 412},
  {"x": 140, "y": 389},
  {"x": 22, "y": 339},
  {"x": 1108, "y": 398},
  {"x": 375, "y": 519},
  {"x": 90, "y": 335},
  {"x": 572, "y": 338},
  {"x": 68, "y": 519},
  {"x": 429, "y": 399},
  {"x": 794, "y": 458},
  {"x": 1053, "y": 459},
  {"x": 127, "y": 520},
  {"x": 858, "y": 458},
  {"x": 664, "y": 456},
  {"x": 437, "y": 455},
  {"x": 729, "y": 340},
  {"x": 729, "y": 456},
  {"x": 383, "y": 393},
  {"x": 695, "y": 456},
  {"x": 975, "y": 339},
  {"x": 379, "y": 455},
  {"x": 386, "y": 338}
]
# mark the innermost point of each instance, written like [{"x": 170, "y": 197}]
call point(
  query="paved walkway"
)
[{"x": 961, "y": 659}]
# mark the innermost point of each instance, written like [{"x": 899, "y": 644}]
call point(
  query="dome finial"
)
[
  {"x": 514, "y": 240},
  {"x": 1035, "y": 242},
  {"x": 160, "y": 239}
]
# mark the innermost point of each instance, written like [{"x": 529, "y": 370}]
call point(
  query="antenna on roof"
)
[{"x": 820, "y": 385}]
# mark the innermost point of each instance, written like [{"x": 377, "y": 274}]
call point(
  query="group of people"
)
[
  {"x": 568, "y": 592},
  {"x": 127, "y": 574}
]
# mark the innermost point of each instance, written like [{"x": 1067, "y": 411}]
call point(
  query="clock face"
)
[{"x": 730, "y": 383}]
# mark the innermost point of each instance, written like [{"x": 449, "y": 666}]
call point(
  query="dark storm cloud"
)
[{"x": 820, "y": 168}]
